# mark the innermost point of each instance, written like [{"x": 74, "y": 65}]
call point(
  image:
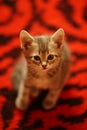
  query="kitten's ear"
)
[
  {"x": 58, "y": 37},
  {"x": 26, "y": 39}
]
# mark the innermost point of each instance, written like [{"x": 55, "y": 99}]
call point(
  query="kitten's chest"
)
[
  {"x": 42, "y": 74},
  {"x": 42, "y": 79}
]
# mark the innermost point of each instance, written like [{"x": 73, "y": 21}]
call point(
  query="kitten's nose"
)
[{"x": 44, "y": 64}]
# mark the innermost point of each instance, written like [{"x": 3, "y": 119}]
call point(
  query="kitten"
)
[{"x": 45, "y": 65}]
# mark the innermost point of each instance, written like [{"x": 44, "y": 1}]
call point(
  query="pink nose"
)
[{"x": 44, "y": 66}]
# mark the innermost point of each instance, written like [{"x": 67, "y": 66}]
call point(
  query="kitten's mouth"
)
[{"x": 44, "y": 68}]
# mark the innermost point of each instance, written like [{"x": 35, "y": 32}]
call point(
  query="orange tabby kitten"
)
[{"x": 45, "y": 65}]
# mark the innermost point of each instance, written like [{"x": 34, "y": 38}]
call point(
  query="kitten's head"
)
[{"x": 42, "y": 51}]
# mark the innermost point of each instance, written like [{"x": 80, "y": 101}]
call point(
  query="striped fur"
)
[{"x": 56, "y": 71}]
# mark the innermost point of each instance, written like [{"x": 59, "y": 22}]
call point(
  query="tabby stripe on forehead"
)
[{"x": 43, "y": 45}]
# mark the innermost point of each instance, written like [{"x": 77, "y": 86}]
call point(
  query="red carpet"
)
[{"x": 44, "y": 17}]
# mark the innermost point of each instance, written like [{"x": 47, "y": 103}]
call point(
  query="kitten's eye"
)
[
  {"x": 37, "y": 58},
  {"x": 50, "y": 57}
]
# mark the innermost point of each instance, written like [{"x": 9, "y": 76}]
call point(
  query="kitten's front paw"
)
[
  {"x": 21, "y": 104},
  {"x": 48, "y": 104}
]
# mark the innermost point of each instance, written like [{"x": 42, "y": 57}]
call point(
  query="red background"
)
[{"x": 44, "y": 17}]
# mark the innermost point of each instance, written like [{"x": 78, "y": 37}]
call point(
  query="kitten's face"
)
[{"x": 42, "y": 51}]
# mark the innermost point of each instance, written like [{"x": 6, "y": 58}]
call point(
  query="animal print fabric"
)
[{"x": 44, "y": 17}]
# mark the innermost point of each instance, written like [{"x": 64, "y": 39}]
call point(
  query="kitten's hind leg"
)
[{"x": 51, "y": 99}]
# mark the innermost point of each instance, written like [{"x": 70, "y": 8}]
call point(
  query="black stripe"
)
[
  {"x": 9, "y": 3},
  {"x": 75, "y": 86},
  {"x": 8, "y": 106},
  {"x": 4, "y": 70},
  {"x": 14, "y": 54},
  {"x": 8, "y": 94},
  {"x": 78, "y": 71},
  {"x": 71, "y": 101},
  {"x": 67, "y": 9},
  {"x": 85, "y": 13},
  {"x": 5, "y": 39},
  {"x": 72, "y": 38},
  {"x": 38, "y": 17},
  {"x": 73, "y": 119},
  {"x": 79, "y": 55}
]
